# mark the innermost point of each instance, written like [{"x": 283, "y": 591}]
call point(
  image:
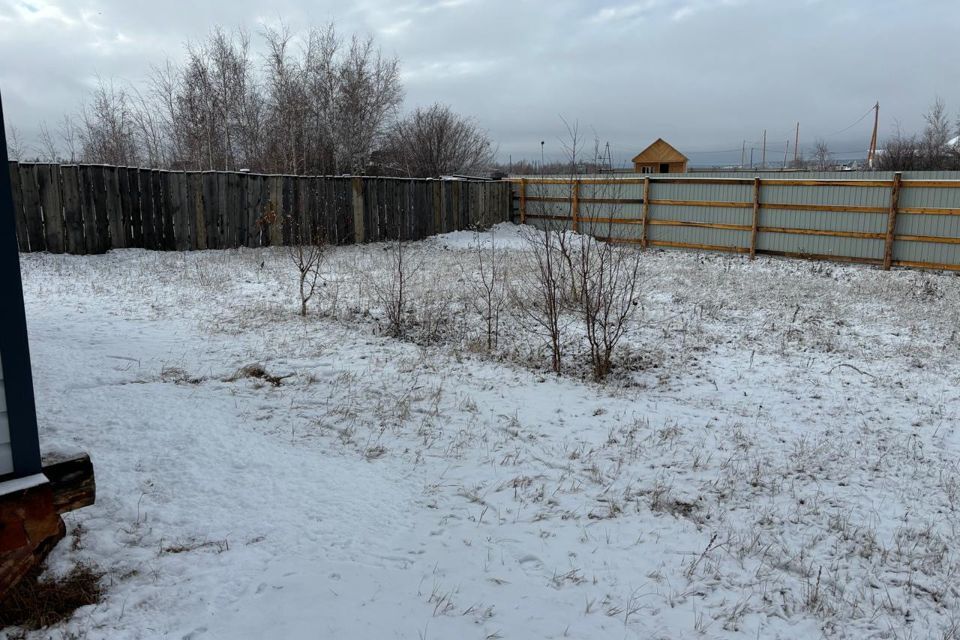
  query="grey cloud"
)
[{"x": 704, "y": 74}]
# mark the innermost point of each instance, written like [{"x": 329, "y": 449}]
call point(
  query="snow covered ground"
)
[{"x": 776, "y": 456}]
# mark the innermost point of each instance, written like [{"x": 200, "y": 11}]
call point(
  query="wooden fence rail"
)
[
  {"x": 85, "y": 209},
  {"x": 898, "y": 222}
]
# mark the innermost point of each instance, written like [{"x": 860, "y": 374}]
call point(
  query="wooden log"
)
[
  {"x": 29, "y": 529},
  {"x": 31, "y": 210},
  {"x": 30, "y": 522},
  {"x": 23, "y": 242},
  {"x": 51, "y": 200},
  {"x": 116, "y": 238},
  {"x": 755, "y": 227},
  {"x": 892, "y": 220},
  {"x": 71, "y": 479},
  {"x": 72, "y": 210},
  {"x": 645, "y": 214}
]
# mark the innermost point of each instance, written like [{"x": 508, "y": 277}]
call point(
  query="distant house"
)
[{"x": 660, "y": 157}]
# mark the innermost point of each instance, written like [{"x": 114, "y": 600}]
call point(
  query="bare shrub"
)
[
  {"x": 490, "y": 294},
  {"x": 307, "y": 250},
  {"x": 539, "y": 295},
  {"x": 609, "y": 277},
  {"x": 436, "y": 141},
  {"x": 393, "y": 291}
]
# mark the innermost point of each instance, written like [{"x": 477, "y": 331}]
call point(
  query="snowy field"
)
[{"x": 776, "y": 455}]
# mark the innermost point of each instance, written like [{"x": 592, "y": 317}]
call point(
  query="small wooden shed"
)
[
  {"x": 34, "y": 490},
  {"x": 660, "y": 157}
]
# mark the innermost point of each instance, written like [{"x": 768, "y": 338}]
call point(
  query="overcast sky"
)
[{"x": 703, "y": 74}]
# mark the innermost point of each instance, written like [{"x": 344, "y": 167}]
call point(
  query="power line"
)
[{"x": 859, "y": 120}]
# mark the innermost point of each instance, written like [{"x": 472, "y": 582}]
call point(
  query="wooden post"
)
[
  {"x": 575, "y": 206},
  {"x": 756, "y": 218},
  {"x": 892, "y": 221},
  {"x": 523, "y": 200},
  {"x": 646, "y": 212}
]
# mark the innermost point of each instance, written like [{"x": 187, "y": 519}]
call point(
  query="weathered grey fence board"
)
[
  {"x": 30, "y": 201},
  {"x": 114, "y": 213},
  {"x": 51, "y": 201},
  {"x": 126, "y": 206},
  {"x": 148, "y": 225},
  {"x": 18, "y": 215},
  {"x": 93, "y": 208},
  {"x": 100, "y": 200},
  {"x": 89, "y": 211},
  {"x": 72, "y": 210}
]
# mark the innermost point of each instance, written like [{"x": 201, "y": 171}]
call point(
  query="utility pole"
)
[
  {"x": 796, "y": 146},
  {"x": 872, "y": 153},
  {"x": 743, "y": 153},
  {"x": 751, "y": 157},
  {"x": 763, "y": 156},
  {"x": 541, "y": 157}
]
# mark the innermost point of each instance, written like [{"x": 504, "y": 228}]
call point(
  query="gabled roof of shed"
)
[{"x": 660, "y": 151}]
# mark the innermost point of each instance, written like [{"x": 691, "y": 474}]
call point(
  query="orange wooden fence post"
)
[
  {"x": 892, "y": 221},
  {"x": 756, "y": 218}
]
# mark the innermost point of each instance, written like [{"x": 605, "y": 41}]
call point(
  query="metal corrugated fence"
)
[{"x": 910, "y": 219}]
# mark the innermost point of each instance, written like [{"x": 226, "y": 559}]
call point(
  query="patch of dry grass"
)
[{"x": 40, "y": 602}]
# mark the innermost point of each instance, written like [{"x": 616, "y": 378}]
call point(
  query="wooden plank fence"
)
[
  {"x": 911, "y": 222},
  {"x": 86, "y": 209}
]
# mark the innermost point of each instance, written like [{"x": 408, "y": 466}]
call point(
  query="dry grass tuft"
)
[
  {"x": 36, "y": 603},
  {"x": 258, "y": 372}
]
